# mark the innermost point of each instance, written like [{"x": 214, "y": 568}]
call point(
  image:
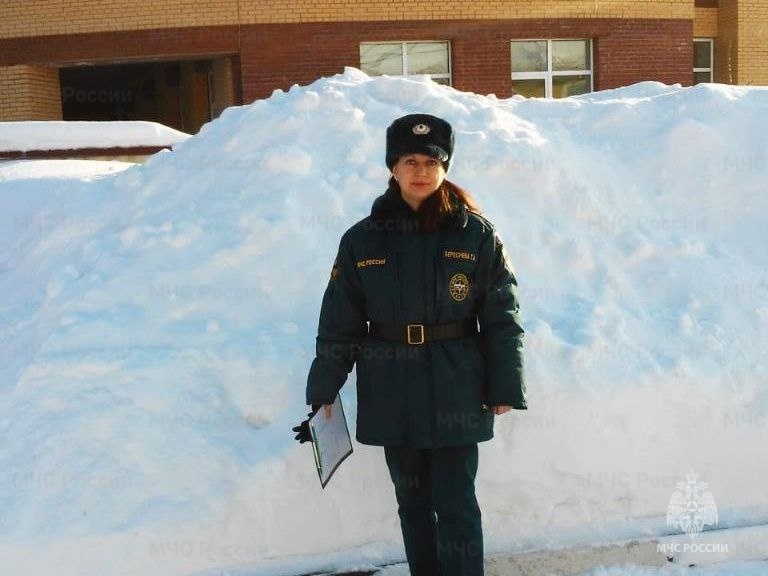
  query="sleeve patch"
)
[
  {"x": 500, "y": 246},
  {"x": 335, "y": 270}
]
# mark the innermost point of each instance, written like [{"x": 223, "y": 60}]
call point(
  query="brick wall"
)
[
  {"x": 105, "y": 30},
  {"x": 29, "y": 93},
  {"x": 140, "y": 45},
  {"x": 626, "y": 51},
  {"x": 705, "y": 23},
  {"x": 279, "y": 55},
  {"x": 44, "y": 17},
  {"x": 753, "y": 42},
  {"x": 741, "y": 52},
  {"x": 264, "y": 11},
  {"x": 48, "y": 17},
  {"x": 726, "y": 46}
]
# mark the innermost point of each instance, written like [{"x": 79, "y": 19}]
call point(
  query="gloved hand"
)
[{"x": 302, "y": 430}]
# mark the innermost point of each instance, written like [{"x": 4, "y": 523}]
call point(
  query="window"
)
[
  {"x": 702, "y": 60},
  {"x": 407, "y": 59},
  {"x": 551, "y": 68}
]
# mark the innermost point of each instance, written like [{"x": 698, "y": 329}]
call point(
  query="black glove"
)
[{"x": 302, "y": 430}]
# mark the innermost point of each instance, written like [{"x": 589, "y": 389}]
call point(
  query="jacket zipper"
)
[
  {"x": 397, "y": 280},
  {"x": 435, "y": 280}
]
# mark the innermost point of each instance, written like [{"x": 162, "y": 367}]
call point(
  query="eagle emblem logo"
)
[
  {"x": 458, "y": 287},
  {"x": 691, "y": 510},
  {"x": 421, "y": 129}
]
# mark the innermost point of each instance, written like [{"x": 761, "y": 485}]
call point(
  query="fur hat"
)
[{"x": 419, "y": 134}]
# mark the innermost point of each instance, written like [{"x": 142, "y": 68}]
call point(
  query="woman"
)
[{"x": 423, "y": 300}]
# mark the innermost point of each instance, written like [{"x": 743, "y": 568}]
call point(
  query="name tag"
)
[{"x": 458, "y": 255}]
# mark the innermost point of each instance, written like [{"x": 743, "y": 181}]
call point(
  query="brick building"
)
[{"x": 181, "y": 62}]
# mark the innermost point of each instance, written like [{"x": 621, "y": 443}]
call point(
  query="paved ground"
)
[
  {"x": 570, "y": 561},
  {"x": 718, "y": 547}
]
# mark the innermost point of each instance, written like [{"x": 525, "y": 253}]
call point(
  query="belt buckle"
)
[{"x": 411, "y": 327}]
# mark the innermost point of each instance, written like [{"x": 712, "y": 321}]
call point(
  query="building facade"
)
[{"x": 181, "y": 62}]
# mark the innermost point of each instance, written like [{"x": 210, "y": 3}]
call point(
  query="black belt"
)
[{"x": 422, "y": 333}]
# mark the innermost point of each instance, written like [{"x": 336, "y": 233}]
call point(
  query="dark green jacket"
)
[{"x": 386, "y": 271}]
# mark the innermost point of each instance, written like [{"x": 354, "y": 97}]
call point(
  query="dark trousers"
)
[{"x": 439, "y": 515}]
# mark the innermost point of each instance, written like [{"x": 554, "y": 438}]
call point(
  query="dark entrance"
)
[{"x": 183, "y": 94}]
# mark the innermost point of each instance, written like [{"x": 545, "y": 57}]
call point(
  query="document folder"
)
[{"x": 331, "y": 443}]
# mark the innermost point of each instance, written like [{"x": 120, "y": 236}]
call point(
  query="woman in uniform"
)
[{"x": 423, "y": 300}]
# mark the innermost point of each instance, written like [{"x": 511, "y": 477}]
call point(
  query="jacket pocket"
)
[
  {"x": 460, "y": 374},
  {"x": 381, "y": 398}
]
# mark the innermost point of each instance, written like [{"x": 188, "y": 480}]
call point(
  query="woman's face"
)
[{"x": 419, "y": 176}]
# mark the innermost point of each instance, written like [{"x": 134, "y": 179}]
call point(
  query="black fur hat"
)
[{"x": 420, "y": 134}]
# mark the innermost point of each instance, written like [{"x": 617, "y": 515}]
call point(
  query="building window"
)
[
  {"x": 407, "y": 59},
  {"x": 551, "y": 68},
  {"x": 702, "y": 60}
]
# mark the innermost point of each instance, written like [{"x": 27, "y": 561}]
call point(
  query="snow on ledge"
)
[{"x": 72, "y": 135}]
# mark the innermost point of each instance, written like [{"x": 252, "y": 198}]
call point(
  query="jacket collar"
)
[{"x": 390, "y": 206}]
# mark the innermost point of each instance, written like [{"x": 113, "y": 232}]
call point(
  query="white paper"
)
[{"x": 330, "y": 440}]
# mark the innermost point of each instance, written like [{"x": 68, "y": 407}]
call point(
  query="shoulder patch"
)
[
  {"x": 335, "y": 270},
  {"x": 500, "y": 246}
]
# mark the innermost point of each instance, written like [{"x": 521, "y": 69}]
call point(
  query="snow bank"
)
[
  {"x": 156, "y": 328},
  {"x": 70, "y": 135},
  {"x": 55, "y": 169}
]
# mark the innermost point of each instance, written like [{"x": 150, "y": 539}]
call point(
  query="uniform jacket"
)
[{"x": 428, "y": 395}]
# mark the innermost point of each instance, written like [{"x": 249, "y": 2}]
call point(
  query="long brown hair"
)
[{"x": 438, "y": 205}]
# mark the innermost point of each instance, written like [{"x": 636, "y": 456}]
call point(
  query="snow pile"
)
[
  {"x": 70, "y": 135},
  {"x": 157, "y": 325},
  {"x": 26, "y": 186}
]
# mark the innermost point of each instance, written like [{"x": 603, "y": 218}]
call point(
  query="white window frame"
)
[
  {"x": 549, "y": 73},
  {"x": 404, "y": 52},
  {"x": 711, "y": 68}
]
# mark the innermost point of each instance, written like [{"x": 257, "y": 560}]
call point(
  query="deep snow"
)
[
  {"x": 67, "y": 135},
  {"x": 157, "y": 325}
]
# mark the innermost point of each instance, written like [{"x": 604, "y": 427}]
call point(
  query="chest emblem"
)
[{"x": 458, "y": 287}]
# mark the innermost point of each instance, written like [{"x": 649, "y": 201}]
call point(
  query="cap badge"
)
[{"x": 421, "y": 129}]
